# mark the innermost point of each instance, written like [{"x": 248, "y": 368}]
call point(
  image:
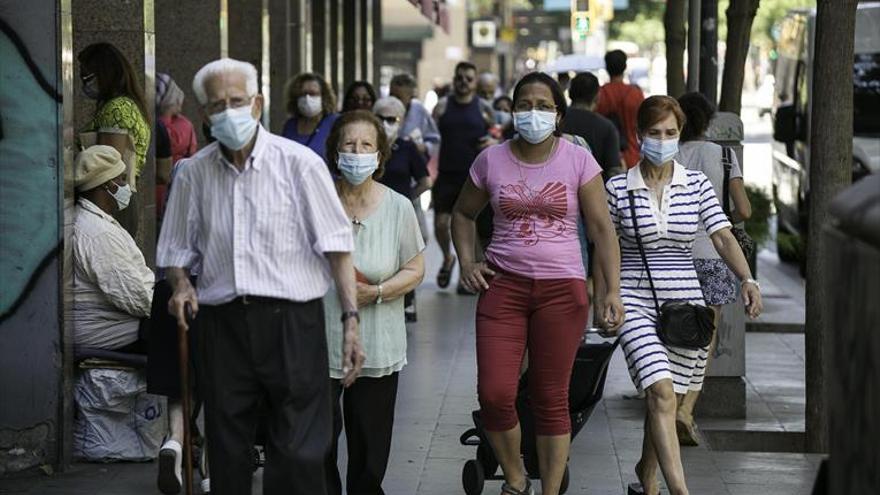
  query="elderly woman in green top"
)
[
  {"x": 389, "y": 263},
  {"x": 109, "y": 79}
]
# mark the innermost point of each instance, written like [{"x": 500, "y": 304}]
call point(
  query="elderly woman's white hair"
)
[
  {"x": 389, "y": 105},
  {"x": 224, "y": 66}
]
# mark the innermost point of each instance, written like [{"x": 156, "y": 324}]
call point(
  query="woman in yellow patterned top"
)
[{"x": 109, "y": 78}]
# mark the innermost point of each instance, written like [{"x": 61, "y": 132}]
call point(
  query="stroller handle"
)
[{"x": 470, "y": 437}]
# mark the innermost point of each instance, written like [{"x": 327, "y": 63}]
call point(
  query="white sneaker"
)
[
  {"x": 205, "y": 485},
  {"x": 169, "y": 479}
]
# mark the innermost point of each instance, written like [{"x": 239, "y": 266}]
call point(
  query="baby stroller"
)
[{"x": 585, "y": 391}]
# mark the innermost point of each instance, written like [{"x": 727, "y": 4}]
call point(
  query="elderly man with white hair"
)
[{"x": 260, "y": 214}]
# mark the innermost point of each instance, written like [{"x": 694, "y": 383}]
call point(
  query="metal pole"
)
[
  {"x": 693, "y": 75},
  {"x": 709, "y": 50}
]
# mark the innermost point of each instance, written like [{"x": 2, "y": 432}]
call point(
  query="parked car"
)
[{"x": 792, "y": 111}]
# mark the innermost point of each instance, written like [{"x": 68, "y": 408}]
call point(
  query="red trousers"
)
[{"x": 548, "y": 318}]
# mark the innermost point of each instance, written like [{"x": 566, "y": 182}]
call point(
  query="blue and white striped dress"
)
[{"x": 668, "y": 230}]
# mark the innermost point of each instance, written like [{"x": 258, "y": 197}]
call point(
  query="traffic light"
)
[{"x": 580, "y": 25}]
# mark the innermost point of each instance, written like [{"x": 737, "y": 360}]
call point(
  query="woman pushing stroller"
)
[{"x": 538, "y": 185}]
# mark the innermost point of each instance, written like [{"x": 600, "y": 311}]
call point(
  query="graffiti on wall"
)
[{"x": 29, "y": 189}]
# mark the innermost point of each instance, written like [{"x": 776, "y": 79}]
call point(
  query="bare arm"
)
[
  {"x": 729, "y": 250},
  {"x": 742, "y": 208},
  {"x": 594, "y": 208},
  {"x": 471, "y": 201},
  {"x": 342, "y": 270},
  {"x": 163, "y": 170},
  {"x": 403, "y": 282},
  {"x": 117, "y": 140},
  {"x": 423, "y": 185}
]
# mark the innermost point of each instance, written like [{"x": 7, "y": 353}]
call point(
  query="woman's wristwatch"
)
[
  {"x": 379, "y": 294},
  {"x": 751, "y": 281},
  {"x": 350, "y": 314}
]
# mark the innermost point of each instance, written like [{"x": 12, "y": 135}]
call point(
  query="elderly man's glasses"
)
[{"x": 221, "y": 105}]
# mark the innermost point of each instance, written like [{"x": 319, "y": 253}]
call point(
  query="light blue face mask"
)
[
  {"x": 357, "y": 167},
  {"x": 534, "y": 126},
  {"x": 659, "y": 151},
  {"x": 234, "y": 127}
]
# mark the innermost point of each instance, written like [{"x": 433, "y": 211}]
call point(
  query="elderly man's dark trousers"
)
[{"x": 268, "y": 352}]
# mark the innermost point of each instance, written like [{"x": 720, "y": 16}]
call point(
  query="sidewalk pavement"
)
[{"x": 437, "y": 395}]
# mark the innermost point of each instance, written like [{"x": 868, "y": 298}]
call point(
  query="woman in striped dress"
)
[{"x": 671, "y": 203}]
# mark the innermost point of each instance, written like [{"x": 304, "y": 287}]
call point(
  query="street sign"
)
[{"x": 483, "y": 34}]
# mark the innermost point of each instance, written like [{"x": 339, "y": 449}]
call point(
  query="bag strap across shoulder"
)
[
  {"x": 727, "y": 163},
  {"x": 632, "y": 211}
]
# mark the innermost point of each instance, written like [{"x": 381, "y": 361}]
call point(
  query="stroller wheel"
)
[
  {"x": 486, "y": 457},
  {"x": 563, "y": 487},
  {"x": 472, "y": 477}
]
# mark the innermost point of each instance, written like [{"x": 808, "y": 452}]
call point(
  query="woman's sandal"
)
[
  {"x": 687, "y": 433},
  {"x": 509, "y": 490},
  {"x": 636, "y": 489},
  {"x": 444, "y": 276}
]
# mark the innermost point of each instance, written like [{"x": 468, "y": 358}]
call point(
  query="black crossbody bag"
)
[{"x": 679, "y": 324}]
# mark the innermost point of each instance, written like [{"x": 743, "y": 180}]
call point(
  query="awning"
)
[{"x": 435, "y": 11}]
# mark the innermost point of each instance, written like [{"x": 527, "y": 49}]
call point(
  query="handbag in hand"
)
[
  {"x": 679, "y": 324},
  {"x": 745, "y": 241}
]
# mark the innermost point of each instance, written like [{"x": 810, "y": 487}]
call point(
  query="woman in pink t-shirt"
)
[{"x": 534, "y": 294}]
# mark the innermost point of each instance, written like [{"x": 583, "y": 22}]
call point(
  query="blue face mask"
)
[
  {"x": 659, "y": 151},
  {"x": 534, "y": 126},
  {"x": 357, "y": 167},
  {"x": 502, "y": 118},
  {"x": 234, "y": 127}
]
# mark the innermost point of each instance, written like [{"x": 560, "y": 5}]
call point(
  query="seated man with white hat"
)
[{"x": 112, "y": 284}]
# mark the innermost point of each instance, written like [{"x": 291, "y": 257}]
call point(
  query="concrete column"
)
[
  {"x": 350, "y": 67},
  {"x": 129, "y": 26},
  {"x": 245, "y": 32},
  {"x": 724, "y": 389},
  {"x": 287, "y": 53},
  {"x": 336, "y": 43},
  {"x": 320, "y": 13},
  {"x": 375, "y": 42},
  {"x": 187, "y": 37}
]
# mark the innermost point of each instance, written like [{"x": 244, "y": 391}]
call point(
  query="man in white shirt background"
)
[
  {"x": 261, "y": 215},
  {"x": 112, "y": 284}
]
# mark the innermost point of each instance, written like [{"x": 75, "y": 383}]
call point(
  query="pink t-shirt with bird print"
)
[{"x": 537, "y": 210}]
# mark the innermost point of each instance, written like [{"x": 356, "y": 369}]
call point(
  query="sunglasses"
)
[
  {"x": 388, "y": 120},
  {"x": 87, "y": 77}
]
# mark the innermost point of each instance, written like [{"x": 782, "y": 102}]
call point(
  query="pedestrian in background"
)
[
  {"x": 389, "y": 263},
  {"x": 360, "y": 95},
  {"x": 503, "y": 106},
  {"x": 670, "y": 203},
  {"x": 181, "y": 134},
  {"x": 487, "y": 86},
  {"x": 464, "y": 121},
  {"x": 534, "y": 295},
  {"x": 619, "y": 102},
  {"x": 417, "y": 125},
  {"x": 121, "y": 113},
  {"x": 169, "y": 103},
  {"x": 311, "y": 104},
  {"x": 261, "y": 215},
  {"x": 406, "y": 171},
  {"x": 582, "y": 120},
  {"x": 718, "y": 283}
]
